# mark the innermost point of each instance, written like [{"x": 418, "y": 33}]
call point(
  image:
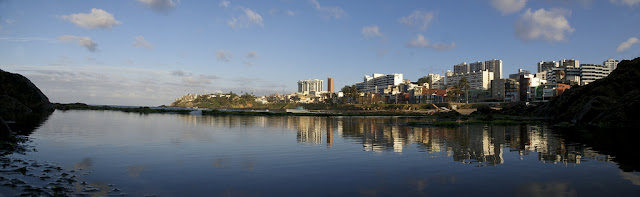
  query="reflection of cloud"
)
[
  {"x": 221, "y": 162},
  {"x": 84, "y": 164},
  {"x": 249, "y": 164},
  {"x": 546, "y": 189},
  {"x": 235, "y": 192},
  {"x": 635, "y": 179},
  {"x": 422, "y": 184},
  {"x": 134, "y": 171}
]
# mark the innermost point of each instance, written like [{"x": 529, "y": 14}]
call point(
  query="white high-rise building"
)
[
  {"x": 569, "y": 63},
  {"x": 592, "y": 72},
  {"x": 547, "y": 65},
  {"x": 309, "y": 86},
  {"x": 494, "y": 66},
  {"x": 480, "y": 80},
  {"x": 476, "y": 66},
  {"x": 610, "y": 64},
  {"x": 437, "y": 81},
  {"x": 378, "y": 82},
  {"x": 461, "y": 68}
]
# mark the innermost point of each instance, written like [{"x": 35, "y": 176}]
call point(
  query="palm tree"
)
[{"x": 464, "y": 84}]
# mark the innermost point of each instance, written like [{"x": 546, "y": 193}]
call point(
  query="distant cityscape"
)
[{"x": 480, "y": 81}]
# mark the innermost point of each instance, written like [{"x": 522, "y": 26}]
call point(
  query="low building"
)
[
  {"x": 500, "y": 88},
  {"x": 546, "y": 92},
  {"x": 528, "y": 84}
]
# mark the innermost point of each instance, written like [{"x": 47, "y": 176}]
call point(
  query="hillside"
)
[
  {"x": 216, "y": 101},
  {"x": 613, "y": 101}
]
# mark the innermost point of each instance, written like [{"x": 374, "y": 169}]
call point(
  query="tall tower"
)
[{"x": 330, "y": 85}]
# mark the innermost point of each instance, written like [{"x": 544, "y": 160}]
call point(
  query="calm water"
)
[{"x": 185, "y": 155}]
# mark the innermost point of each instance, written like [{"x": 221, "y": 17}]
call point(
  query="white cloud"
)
[
  {"x": 98, "y": 18},
  {"x": 627, "y": 44},
  {"x": 82, "y": 41},
  {"x": 224, "y": 3},
  {"x": 508, "y": 6},
  {"x": 421, "y": 42},
  {"x": 248, "y": 18},
  {"x": 372, "y": 31},
  {"x": 9, "y": 21},
  {"x": 223, "y": 56},
  {"x": 332, "y": 12},
  {"x": 141, "y": 43},
  {"x": 252, "y": 55},
  {"x": 627, "y": 2},
  {"x": 550, "y": 25},
  {"x": 162, "y": 6},
  {"x": 418, "y": 19},
  {"x": 121, "y": 85},
  {"x": 275, "y": 11},
  {"x": 115, "y": 85}
]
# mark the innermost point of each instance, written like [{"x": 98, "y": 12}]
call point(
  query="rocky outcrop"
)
[
  {"x": 613, "y": 101},
  {"x": 17, "y": 92}
]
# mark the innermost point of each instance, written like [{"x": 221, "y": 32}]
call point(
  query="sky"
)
[{"x": 150, "y": 52}]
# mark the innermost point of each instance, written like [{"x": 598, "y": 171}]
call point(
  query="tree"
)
[
  {"x": 464, "y": 85},
  {"x": 425, "y": 79},
  {"x": 351, "y": 92}
]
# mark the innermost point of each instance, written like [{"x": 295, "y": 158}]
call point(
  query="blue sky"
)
[{"x": 149, "y": 52}]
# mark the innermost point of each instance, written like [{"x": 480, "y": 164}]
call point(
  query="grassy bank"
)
[{"x": 144, "y": 110}]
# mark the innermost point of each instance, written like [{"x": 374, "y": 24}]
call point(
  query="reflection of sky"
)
[{"x": 282, "y": 156}]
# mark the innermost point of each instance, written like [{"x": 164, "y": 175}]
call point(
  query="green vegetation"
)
[
  {"x": 143, "y": 110},
  {"x": 218, "y": 101}
]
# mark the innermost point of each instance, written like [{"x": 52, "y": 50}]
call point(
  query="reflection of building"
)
[{"x": 480, "y": 145}]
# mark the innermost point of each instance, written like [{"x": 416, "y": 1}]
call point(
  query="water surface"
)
[{"x": 187, "y": 155}]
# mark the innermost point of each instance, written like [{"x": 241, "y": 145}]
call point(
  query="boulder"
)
[{"x": 16, "y": 89}]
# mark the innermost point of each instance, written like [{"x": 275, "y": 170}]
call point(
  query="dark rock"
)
[
  {"x": 483, "y": 110},
  {"x": 613, "y": 101},
  {"x": 5, "y": 131},
  {"x": 15, "y": 89}
]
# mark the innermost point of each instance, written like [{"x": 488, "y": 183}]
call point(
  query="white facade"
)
[
  {"x": 592, "y": 72},
  {"x": 494, "y": 66},
  {"x": 547, "y": 65},
  {"x": 379, "y": 82},
  {"x": 461, "y": 68},
  {"x": 569, "y": 63},
  {"x": 610, "y": 64},
  {"x": 437, "y": 81},
  {"x": 480, "y": 80},
  {"x": 309, "y": 86}
]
